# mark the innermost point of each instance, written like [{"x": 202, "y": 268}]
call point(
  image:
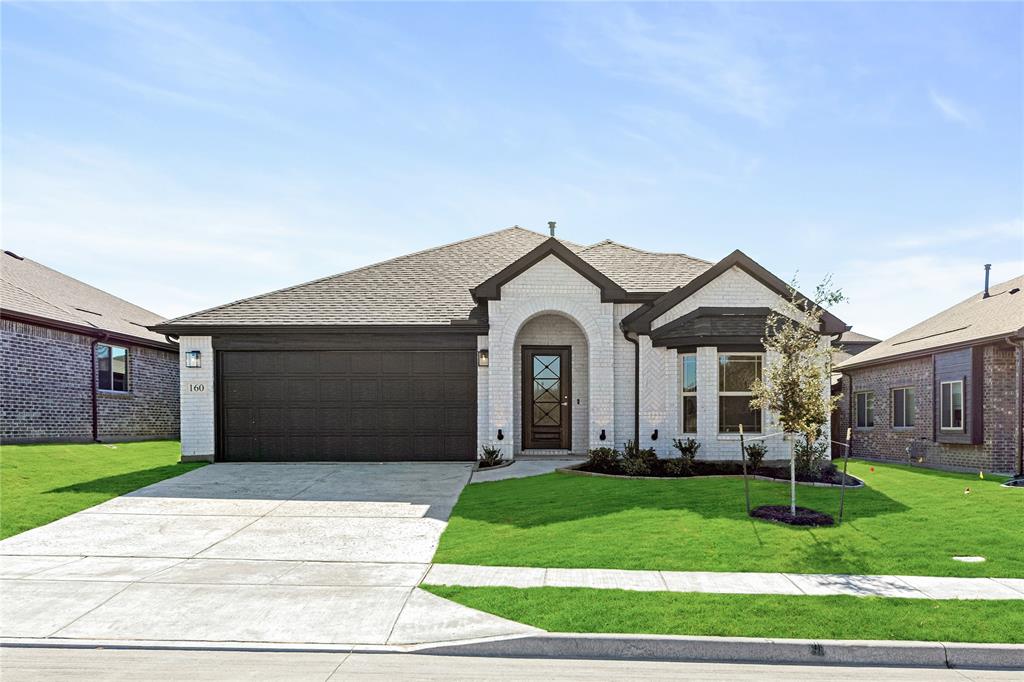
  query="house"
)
[
  {"x": 843, "y": 348},
  {"x": 78, "y": 363},
  {"x": 514, "y": 339},
  {"x": 946, "y": 392}
]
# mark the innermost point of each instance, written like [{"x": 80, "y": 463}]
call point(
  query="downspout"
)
[
  {"x": 636, "y": 381},
  {"x": 1018, "y": 362}
]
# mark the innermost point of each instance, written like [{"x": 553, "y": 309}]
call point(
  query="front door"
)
[{"x": 547, "y": 392}]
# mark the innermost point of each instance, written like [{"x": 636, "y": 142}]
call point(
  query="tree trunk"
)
[{"x": 792, "y": 479}]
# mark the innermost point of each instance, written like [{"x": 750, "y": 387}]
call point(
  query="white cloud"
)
[
  {"x": 950, "y": 109},
  {"x": 890, "y": 295},
  {"x": 716, "y": 64},
  {"x": 1008, "y": 229}
]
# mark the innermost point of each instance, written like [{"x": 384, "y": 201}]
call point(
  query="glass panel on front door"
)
[{"x": 547, "y": 390}]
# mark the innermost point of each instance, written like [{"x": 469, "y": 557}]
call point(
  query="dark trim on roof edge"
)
[
  {"x": 209, "y": 330},
  {"x": 87, "y": 331},
  {"x": 490, "y": 289},
  {"x": 640, "y": 320},
  {"x": 925, "y": 352}
]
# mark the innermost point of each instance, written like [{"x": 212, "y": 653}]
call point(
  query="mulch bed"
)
[
  {"x": 828, "y": 474},
  {"x": 804, "y": 517},
  {"x": 500, "y": 463}
]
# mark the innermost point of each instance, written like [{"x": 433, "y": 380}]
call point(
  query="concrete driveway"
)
[{"x": 288, "y": 553}]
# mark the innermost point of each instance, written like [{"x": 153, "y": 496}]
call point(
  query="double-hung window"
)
[
  {"x": 689, "y": 393},
  {"x": 903, "y": 407},
  {"x": 952, "y": 406},
  {"x": 111, "y": 368},
  {"x": 865, "y": 409},
  {"x": 736, "y": 375}
]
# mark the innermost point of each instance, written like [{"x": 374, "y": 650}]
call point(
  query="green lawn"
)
[
  {"x": 42, "y": 483},
  {"x": 731, "y": 615},
  {"x": 906, "y": 521}
]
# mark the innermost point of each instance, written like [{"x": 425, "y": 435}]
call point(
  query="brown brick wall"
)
[
  {"x": 996, "y": 452},
  {"x": 45, "y": 389}
]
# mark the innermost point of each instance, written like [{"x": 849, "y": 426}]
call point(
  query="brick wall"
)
[
  {"x": 995, "y": 453},
  {"x": 46, "y": 389},
  {"x": 197, "y": 400}
]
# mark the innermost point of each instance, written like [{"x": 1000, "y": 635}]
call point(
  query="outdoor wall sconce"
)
[
  {"x": 483, "y": 359},
  {"x": 501, "y": 436},
  {"x": 602, "y": 436},
  {"x": 654, "y": 436},
  {"x": 193, "y": 358}
]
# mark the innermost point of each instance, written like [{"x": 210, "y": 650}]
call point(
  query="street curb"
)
[{"x": 744, "y": 650}]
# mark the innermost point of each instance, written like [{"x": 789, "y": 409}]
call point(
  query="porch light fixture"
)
[
  {"x": 483, "y": 358},
  {"x": 193, "y": 358},
  {"x": 501, "y": 436}
]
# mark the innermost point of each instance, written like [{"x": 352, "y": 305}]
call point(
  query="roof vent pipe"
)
[
  {"x": 551, "y": 226},
  {"x": 988, "y": 266}
]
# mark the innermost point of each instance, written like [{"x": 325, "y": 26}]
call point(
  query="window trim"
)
[
  {"x": 727, "y": 394},
  {"x": 892, "y": 408},
  {"x": 684, "y": 394},
  {"x": 963, "y": 406},
  {"x": 127, "y": 369},
  {"x": 856, "y": 409}
]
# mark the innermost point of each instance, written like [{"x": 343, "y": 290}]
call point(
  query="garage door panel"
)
[
  {"x": 365, "y": 389},
  {"x": 301, "y": 389},
  {"x": 334, "y": 362},
  {"x": 238, "y": 391},
  {"x": 347, "y": 405},
  {"x": 395, "y": 362},
  {"x": 333, "y": 389}
]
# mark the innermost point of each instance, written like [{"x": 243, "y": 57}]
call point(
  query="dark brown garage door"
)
[{"x": 347, "y": 405}]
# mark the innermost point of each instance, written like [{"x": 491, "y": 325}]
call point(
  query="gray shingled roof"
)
[
  {"x": 433, "y": 287},
  {"x": 31, "y": 288},
  {"x": 974, "y": 319},
  {"x": 639, "y": 271}
]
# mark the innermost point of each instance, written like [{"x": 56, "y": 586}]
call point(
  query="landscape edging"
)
[{"x": 575, "y": 470}]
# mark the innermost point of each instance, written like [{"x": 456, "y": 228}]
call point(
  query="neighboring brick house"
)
[
  {"x": 79, "y": 364},
  {"x": 947, "y": 392},
  {"x": 513, "y": 339},
  {"x": 844, "y": 348}
]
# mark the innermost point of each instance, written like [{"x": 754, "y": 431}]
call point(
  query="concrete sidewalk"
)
[{"x": 905, "y": 586}]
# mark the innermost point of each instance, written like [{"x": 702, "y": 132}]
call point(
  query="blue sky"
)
[{"x": 185, "y": 155}]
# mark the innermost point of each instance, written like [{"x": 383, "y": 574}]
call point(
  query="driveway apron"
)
[{"x": 288, "y": 553}]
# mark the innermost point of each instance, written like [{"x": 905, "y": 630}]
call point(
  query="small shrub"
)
[
  {"x": 637, "y": 461},
  {"x": 755, "y": 455},
  {"x": 687, "y": 454},
  {"x": 809, "y": 456},
  {"x": 677, "y": 466},
  {"x": 491, "y": 456},
  {"x": 603, "y": 460}
]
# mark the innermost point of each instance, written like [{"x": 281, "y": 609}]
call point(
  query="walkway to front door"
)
[{"x": 547, "y": 387}]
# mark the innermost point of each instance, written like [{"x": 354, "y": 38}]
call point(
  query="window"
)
[
  {"x": 111, "y": 368},
  {"x": 689, "y": 393},
  {"x": 865, "y": 410},
  {"x": 903, "y": 407},
  {"x": 952, "y": 405},
  {"x": 736, "y": 374}
]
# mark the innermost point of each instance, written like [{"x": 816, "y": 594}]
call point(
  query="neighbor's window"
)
[
  {"x": 736, "y": 374},
  {"x": 903, "y": 407},
  {"x": 689, "y": 393},
  {"x": 111, "y": 367},
  {"x": 952, "y": 405},
  {"x": 865, "y": 409}
]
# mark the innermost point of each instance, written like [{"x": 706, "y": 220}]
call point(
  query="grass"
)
[
  {"x": 42, "y": 483},
  {"x": 906, "y": 521},
  {"x": 558, "y": 609}
]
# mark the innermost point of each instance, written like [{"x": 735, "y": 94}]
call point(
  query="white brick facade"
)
[
  {"x": 548, "y": 288},
  {"x": 197, "y": 400}
]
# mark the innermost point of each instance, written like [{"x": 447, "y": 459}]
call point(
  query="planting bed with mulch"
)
[
  {"x": 804, "y": 517},
  {"x": 663, "y": 468}
]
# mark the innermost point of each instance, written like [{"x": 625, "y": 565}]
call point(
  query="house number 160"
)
[{"x": 196, "y": 388}]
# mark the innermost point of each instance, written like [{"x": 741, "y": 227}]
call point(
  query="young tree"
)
[{"x": 797, "y": 373}]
